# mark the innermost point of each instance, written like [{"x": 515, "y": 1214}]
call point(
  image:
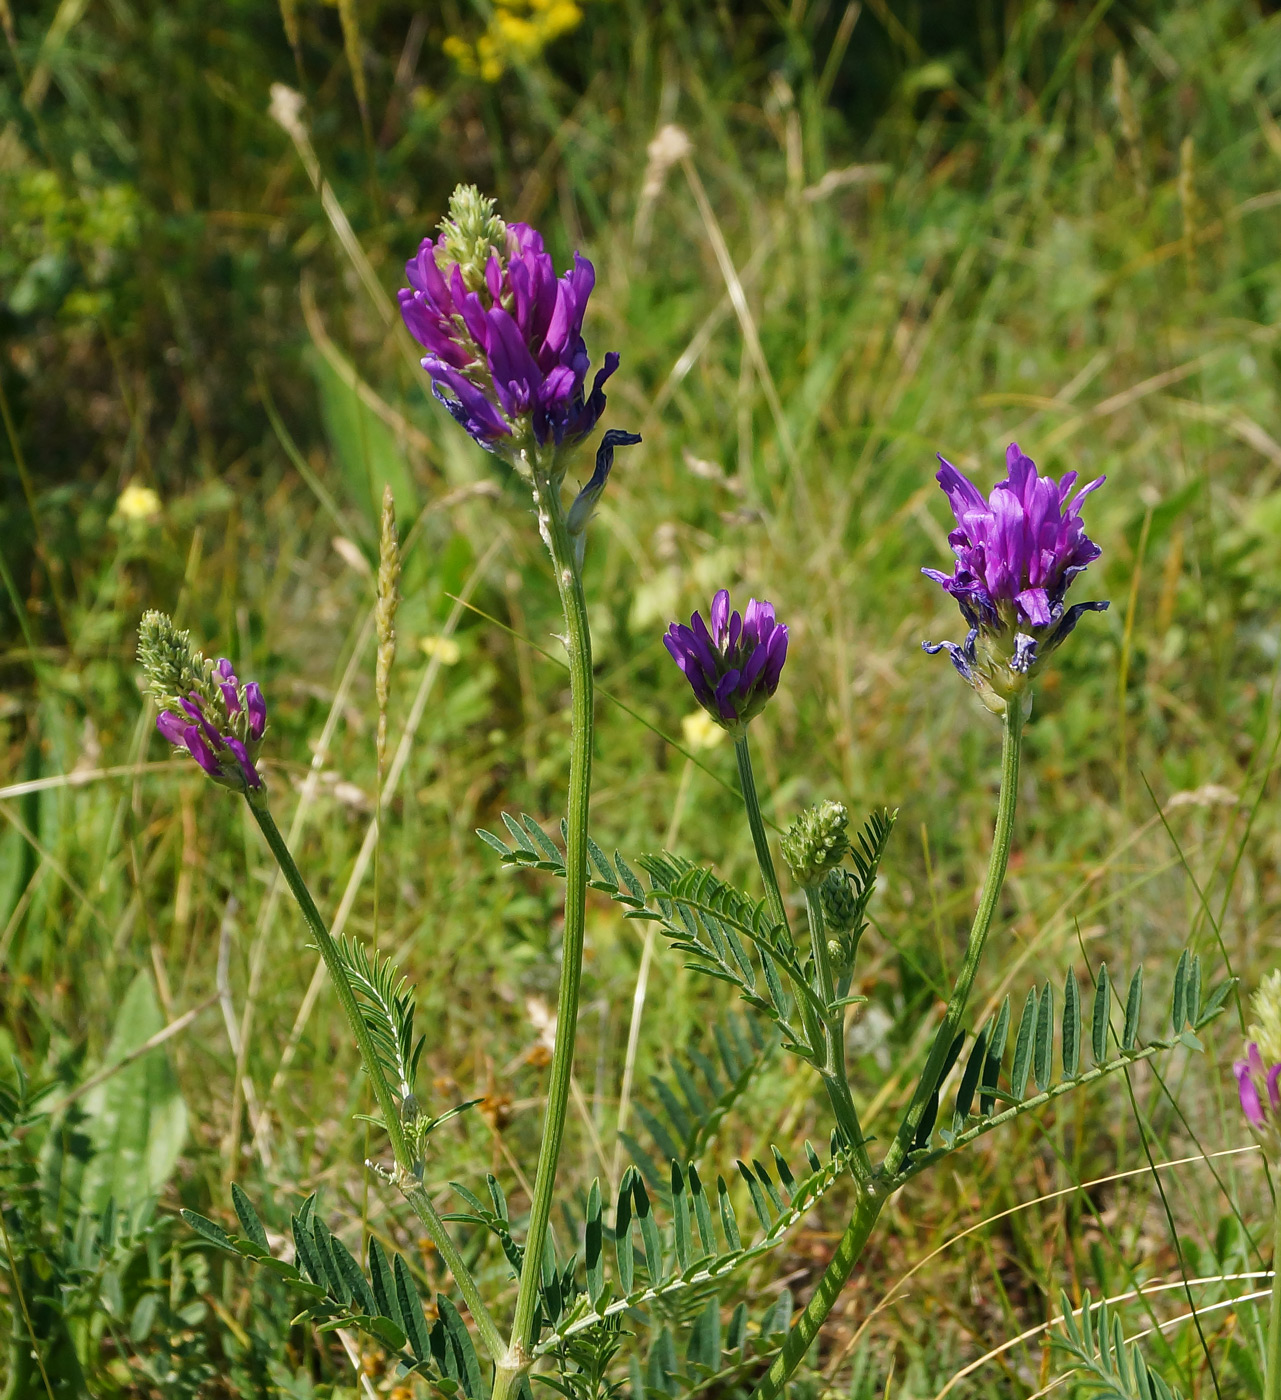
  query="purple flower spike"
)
[
  {"x": 503, "y": 334},
  {"x": 221, "y": 726},
  {"x": 734, "y": 667},
  {"x": 1016, "y": 556}
]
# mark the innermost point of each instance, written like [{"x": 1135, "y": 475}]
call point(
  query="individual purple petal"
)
[
  {"x": 200, "y": 750},
  {"x": 1274, "y": 1088},
  {"x": 246, "y": 763},
  {"x": 1249, "y": 1095},
  {"x": 257, "y": 708},
  {"x": 958, "y": 656},
  {"x": 719, "y": 616},
  {"x": 171, "y": 726}
]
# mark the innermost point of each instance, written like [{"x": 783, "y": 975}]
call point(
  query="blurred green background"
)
[{"x": 898, "y": 228}]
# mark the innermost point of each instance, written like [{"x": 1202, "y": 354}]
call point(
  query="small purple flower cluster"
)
[
  {"x": 225, "y": 745},
  {"x": 1017, "y": 553},
  {"x": 504, "y": 334},
  {"x": 734, "y": 667}
]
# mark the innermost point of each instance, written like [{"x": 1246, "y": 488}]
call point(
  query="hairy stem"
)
[
  {"x": 873, "y": 1196},
  {"x": 1011, "y": 741},
  {"x": 406, "y": 1168},
  {"x": 759, "y": 838},
  {"x": 551, "y": 521},
  {"x": 807, "y": 1325},
  {"x": 747, "y": 780},
  {"x": 835, "y": 1076},
  {"x": 1272, "y": 1371}
]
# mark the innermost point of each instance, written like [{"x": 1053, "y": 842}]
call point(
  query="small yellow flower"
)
[
  {"x": 138, "y": 503},
  {"x": 445, "y": 648},
  {"x": 700, "y": 731}
]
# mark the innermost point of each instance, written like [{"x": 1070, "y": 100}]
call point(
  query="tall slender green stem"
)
[
  {"x": 1011, "y": 743},
  {"x": 874, "y": 1195},
  {"x": 551, "y": 521},
  {"x": 828, "y": 1045},
  {"x": 760, "y": 839},
  {"x": 1272, "y": 1372},
  {"x": 406, "y": 1174},
  {"x": 835, "y": 1076},
  {"x": 823, "y": 1299}
]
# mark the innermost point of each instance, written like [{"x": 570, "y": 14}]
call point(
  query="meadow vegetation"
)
[{"x": 875, "y": 233}]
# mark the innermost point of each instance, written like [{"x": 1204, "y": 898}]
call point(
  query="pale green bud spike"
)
[
  {"x": 840, "y": 911},
  {"x": 174, "y": 668},
  {"x": 1266, "y": 1030},
  {"x": 816, "y": 842},
  {"x": 470, "y": 233}
]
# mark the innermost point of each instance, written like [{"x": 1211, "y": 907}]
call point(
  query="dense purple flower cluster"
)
[
  {"x": 224, "y": 744},
  {"x": 734, "y": 667},
  {"x": 503, "y": 333},
  {"x": 1017, "y": 553}
]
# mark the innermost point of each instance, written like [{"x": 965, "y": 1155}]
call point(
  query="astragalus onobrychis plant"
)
[{"x": 506, "y": 356}]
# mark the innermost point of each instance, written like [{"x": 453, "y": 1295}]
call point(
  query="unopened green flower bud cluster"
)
[
  {"x": 470, "y": 233},
  {"x": 816, "y": 842},
  {"x": 841, "y": 918},
  {"x": 173, "y": 666},
  {"x": 1265, "y": 1030}
]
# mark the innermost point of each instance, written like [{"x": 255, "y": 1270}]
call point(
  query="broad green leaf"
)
[
  {"x": 992, "y": 1061},
  {"x": 136, "y": 1120},
  {"x": 1023, "y": 1045},
  {"x": 411, "y": 1311},
  {"x": 248, "y": 1217},
  {"x": 680, "y": 1218},
  {"x": 1071, "y": 1027},
  {"x": 1133, "y": 1006},
  {"x": 702, "y": 1211},
  {"x": 464, "y": 1351},
  {"x": 213, "y": 1232},
  {"x": 649, "y": 1230},
  {"x": 1043, "y": 1053},
  {"x": 1102, "y": 1011},
  {"x": 383, "y": 1284},
  {"x": 1179, "y": 999},
  {"x": 728, "y": 1223},
  {"x": 623, "y": 1232},
  {"x": 593, "y": 1245},
  {"x": 969, "y": 1080}
]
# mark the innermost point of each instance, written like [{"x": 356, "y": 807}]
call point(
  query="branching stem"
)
[{"x": 874, "y": 1195}]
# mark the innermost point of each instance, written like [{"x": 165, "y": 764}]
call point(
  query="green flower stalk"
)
[{"x": 171, "y": 663}]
